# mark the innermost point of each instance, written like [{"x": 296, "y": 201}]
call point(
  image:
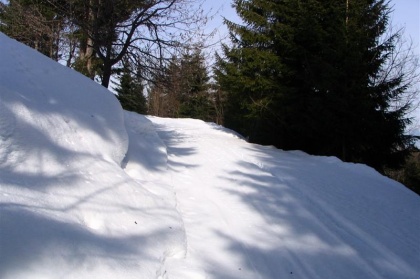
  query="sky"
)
[{"x": 406, "y": 14}]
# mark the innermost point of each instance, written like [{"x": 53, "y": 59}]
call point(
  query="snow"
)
[{"x": 88, "y": 190}]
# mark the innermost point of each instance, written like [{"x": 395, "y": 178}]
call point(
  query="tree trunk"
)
[
  {"x": 106, "y": 75},
  {"x": 86, "y": 55},
  {"x": 347, "y": 13},
  {"x": 89, "y": 55}
]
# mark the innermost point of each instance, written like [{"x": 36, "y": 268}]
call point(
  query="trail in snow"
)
[
  {"x": 258, "y": 212},
  {"x": 147, "y": 162}
]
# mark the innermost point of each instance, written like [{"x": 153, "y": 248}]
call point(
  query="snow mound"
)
[{"x": 67, "y": 208}]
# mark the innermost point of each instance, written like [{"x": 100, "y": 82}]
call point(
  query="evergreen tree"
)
[
  {"x": 165, "y": 90},
  {"x": 310, "y": 75},
  {"x": 182, "y": 90},
  {"x": 130, "y": 91},
  {"x": 194, "y": 95}
]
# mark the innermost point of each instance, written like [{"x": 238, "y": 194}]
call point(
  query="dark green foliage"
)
[
  {"x": 310, "y": 75},
  {"x": 412, "y": 172},
  {"x": 198, "y": 106},
  {"x": 183, "y": 89},
  {"x": 130, "y": 91},
  {"x": 409, "y": 173},
  {"x": 90, "y": 66},
  {"x": 194, "y": 92}
]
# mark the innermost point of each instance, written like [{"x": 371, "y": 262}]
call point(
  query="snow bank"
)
[{"x": 68, "y": 209}]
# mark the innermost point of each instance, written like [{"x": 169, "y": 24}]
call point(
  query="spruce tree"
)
[
  {"x": 130, "y": 91},
  {"x": 310, "y": 75},
  {"x": 194, "y": 97},
  {"x": 165, "y": 90},
  {"x": 183, "y": 89}
]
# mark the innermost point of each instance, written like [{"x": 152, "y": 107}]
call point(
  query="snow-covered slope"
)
[
  {"x": 68, "y": 209},
  {"x": 90, "y": 191}
]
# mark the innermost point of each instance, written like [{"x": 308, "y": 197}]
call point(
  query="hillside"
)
[{"x": 88, "y": 190}]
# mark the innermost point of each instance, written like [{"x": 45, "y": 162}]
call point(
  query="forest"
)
[{"x": 328, "y": 77}]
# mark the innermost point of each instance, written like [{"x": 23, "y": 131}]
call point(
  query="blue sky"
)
[{"x": 406, "y": 14}]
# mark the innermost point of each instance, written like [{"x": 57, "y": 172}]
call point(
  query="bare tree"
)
[
  {"x": 403, "y": 65},
  {"x": 145, "y": 32},
  {"x": 45, "y": 29}
]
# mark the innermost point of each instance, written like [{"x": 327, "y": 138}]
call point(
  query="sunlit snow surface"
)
[{"x": 90, "y": 191}]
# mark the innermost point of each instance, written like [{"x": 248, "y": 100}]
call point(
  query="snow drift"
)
[
  {"x": 90, "y": 191},
  {"x": 68, "y": 209}
]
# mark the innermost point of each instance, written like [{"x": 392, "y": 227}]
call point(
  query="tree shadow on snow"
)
[
  {"x": 28, "y": 239},
  {"x": 44, "y": 154},
  {"x": 177, "y": 144},
  {"x": 43, "y": 204},
  {"x": 314, "y": 221}
]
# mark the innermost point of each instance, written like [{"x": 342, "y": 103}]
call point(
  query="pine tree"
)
[
  {"x": 183, "y": 89},
  {"x": 250, "y": 74},
  {"x": 310, "y": 75},
  {"x": 130, "y": 91},
  {"x": 194, "y": 97},
  {"x": 409, "y": 174},
  {"x": 165, "y": 89}
]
